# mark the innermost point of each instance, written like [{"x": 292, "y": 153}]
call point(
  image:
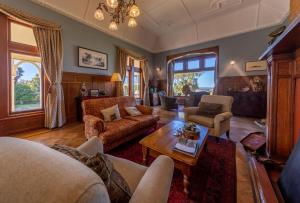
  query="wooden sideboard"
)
[{"x": 283, "y": 105}]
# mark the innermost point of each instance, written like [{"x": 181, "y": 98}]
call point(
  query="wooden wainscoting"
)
[
  {"x": 71, "y": 84},
  {"x": 236, "y": 83}
]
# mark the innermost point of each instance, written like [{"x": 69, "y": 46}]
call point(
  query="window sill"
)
[{"x": 24, "y": 115}]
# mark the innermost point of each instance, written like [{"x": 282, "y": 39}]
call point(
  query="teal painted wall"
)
[
  {"x": 77, "y": 34},
  {"x": 240, "y": 48}
]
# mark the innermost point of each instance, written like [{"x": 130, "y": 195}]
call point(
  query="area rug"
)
[{"x": 213, "y": 180}]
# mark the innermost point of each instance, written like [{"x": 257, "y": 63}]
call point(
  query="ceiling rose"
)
[{"x": 118, "y": 10}]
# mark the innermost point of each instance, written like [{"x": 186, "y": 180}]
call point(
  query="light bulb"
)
[
  {"x": 132, "y": 22},
  {"x": 113, "y": 26},
  {"x": 134, "y": 11},
  {"x": 112, "y": 3},
  {"x": 99, "y": 14}
]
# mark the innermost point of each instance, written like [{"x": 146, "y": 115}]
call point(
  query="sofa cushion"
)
[
  {"x": 133, "y": 111},
  {"x": 202, "y": 120},
  {"x": 117, "y": 129},
  {"x": 111, "y": 113},
  {"x": 117, "y": 187},
  {"x": 144, "y": 121}
]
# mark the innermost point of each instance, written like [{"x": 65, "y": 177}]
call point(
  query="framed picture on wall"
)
[
  {"x": 92, "y": 59},
  {"x": 256, "y": 66},
  {"x": 94, "y": 92}
]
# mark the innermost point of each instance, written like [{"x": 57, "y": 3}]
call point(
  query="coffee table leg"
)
[
  {"x": 186, "y": 182},
  {"x": 145, "y": 155}
]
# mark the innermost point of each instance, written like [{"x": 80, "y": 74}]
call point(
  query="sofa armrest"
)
[
  {"x": 190, "y": 111},
  {"x": 156, "y": 182},
  {"x": 146, "y": 110},
  {"x": 92, "y": 146},
  {"x": 223, "y": 116},
  {"x": 93, "y": 126}
]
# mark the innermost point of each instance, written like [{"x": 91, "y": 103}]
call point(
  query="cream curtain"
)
[
  {"x": 122, "y": 55},
  {"x": 121, "y": 63},
  {"x": 145, "y": 70},
  {"x": 49, "y": 43},
  {"x": 170, "y": 77}
]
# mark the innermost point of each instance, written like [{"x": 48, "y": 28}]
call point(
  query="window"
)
[
  {"x": 178, "y": 66},
  {"x": 195, "y": 74},
  {"x": 133, "y": 85},
  {"x": 193, "y": 64},
  {"x": 26, "y": 74},
  {"x": 210, "y": 62}
]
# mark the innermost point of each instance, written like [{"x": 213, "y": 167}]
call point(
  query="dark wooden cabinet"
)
[{"x": 283, "y": 105}]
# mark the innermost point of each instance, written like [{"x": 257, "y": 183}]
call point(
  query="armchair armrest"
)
[
  {"x": 146, "y": 110},
  {"x": 223, "y": 116},
  {"x": 156, "y": 182},
  {"x": 190, "y": 111},
  {"x": 92, "y": 146},
  {"x": 93, "y": 126}
]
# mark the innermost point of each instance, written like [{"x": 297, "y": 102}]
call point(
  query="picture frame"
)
[
  {"x": 94, "y": 93},
  {"x": 88, "y": 58},
  {"x": 256, "y": 66}
]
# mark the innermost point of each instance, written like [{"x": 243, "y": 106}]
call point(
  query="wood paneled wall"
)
[
  {"x": 236, "y": 83},
  {"x": 71, "y": 84},
  {"x": 294, "y": 9}
]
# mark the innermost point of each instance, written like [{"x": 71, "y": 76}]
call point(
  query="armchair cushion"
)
[
  {"x": 117, "y": 187},
  {"x": 146, "y": 110},
  {"x": 202, "y": 120},
  {"x": 209, "y": 109}
]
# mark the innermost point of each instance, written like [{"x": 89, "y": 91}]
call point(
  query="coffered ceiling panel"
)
[{"x": 170, "y": 24}]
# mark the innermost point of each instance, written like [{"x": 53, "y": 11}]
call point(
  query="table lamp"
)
[{"x": 116, "y": 77}]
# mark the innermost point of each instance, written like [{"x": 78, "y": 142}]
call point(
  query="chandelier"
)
[{"x": 119, "y": 10}]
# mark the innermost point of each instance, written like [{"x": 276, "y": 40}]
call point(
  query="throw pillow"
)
[
  {"x": 209, "y": 109},
  {"x": 117, "y": 188},
  {"x": 133, "y": 111},
  {"x": 111, "y": 113}
]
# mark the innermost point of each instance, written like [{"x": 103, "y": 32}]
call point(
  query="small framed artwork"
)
[
  {"x": 256, "y": 66},
  {"x": 94, "y": 92},
  {"x": 92, "y": 59}
]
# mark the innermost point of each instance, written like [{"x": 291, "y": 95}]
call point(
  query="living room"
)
[{"x": 149, "y": 101}]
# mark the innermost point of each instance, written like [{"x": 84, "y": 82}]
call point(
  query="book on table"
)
[{"x": 187, "y": 146}]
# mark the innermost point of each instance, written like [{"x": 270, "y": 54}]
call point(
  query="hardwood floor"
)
[{"x": 73, "y": 134}]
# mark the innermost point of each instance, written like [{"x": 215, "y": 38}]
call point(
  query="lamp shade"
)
[{"x": 116, "y": 77}]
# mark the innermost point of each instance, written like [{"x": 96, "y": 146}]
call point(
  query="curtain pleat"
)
[
  {"x": 49, "y": 43},
  {"x": 121, "y": 63},
  {"x": 170, "y": 78},
  {"x": 145, "y": 70}
]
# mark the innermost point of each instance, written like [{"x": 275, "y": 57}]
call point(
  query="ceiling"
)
[{"x": 170, "y": 24}]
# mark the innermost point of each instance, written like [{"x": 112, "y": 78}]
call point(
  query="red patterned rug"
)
[{"x": 213, "y": 180}]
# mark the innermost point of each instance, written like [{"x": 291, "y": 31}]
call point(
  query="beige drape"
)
[
  {"x": 121, "y": 63},
  {"x": 49, "y": 43},
  {"x": 122, "y": 55},
  {"x": 170, "y": 77}
]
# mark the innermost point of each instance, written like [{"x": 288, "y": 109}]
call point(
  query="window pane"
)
[
  {"x": 136, "y": 63},
  {"x": 195, "y": 82},
  {"x": 137, "y": 84},
  {"x": 193, "y": 64},
  {"x": 210, "y": 62},
  {"x": 127, "y": 61},
  {"x": 178, "y": 66},
  {"x": 126, "y": 84},
  {"x": 22, "y": 34},
  {"x": 26, "y": 91}
]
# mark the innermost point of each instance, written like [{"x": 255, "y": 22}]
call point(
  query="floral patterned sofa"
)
[{"x": 114, "y": 133}]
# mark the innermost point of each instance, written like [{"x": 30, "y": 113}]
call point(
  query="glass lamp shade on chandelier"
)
[{"x": 118, "y": 10}]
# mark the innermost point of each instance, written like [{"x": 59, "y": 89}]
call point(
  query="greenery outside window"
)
[{"x": 133, "y": 84}]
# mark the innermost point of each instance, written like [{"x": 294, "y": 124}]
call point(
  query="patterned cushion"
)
[
  {"x": 209, "y": 109},
  {"x": 116, "y": 186},
  {"x": 111, "y": 113},
  {"x": 132, "y": 111}
]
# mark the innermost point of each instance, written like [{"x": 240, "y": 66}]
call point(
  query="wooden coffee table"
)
[{"x": 162, "y": 141}]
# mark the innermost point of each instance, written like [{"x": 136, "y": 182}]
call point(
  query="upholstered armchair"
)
[
  {"x": 218, "y": 125},
  {"x": 167, "y": 102}
]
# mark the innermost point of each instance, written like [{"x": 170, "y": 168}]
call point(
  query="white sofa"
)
[{"x": 32, "y": 172}]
